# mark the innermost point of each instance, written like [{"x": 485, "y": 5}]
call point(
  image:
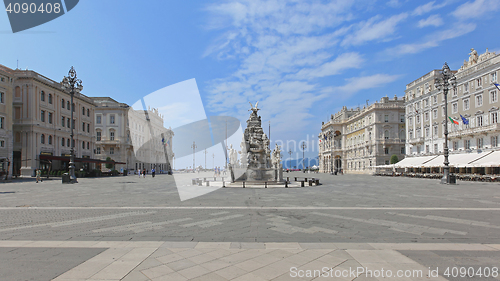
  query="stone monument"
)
[{"x": 255, "y": 160}]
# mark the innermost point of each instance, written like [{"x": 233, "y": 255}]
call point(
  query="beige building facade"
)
[
  {"x": 357, "y": 140},
  {"x": 42, "y": 123},
  {"x": 475, "y": 98},
  {"x": 6, "y": 144},
  {"x": 152, "y": 142}
]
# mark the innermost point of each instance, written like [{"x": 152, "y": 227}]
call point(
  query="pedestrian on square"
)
[
  {"x": 139, "y": 172},
  {"x": 153, "y": 171},
  {"x": 38, "y": 175},
  {"x": 144, "y": 173}
]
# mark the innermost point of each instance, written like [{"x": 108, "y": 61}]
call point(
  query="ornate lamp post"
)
[
  {"x": 332, "y": 143},
  {"x": 445, "y": 81},
  {"x": 303, "y": 146},
  {"x": 73, "y": 85}
]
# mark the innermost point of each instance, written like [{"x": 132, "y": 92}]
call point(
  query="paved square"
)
[{"x": 126, "y": 228}]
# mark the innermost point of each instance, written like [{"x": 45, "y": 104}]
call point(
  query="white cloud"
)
[
  {"x": 373, "y": 29},
  {"x": 432, "y": 40},
  {"x": 426, "y": 8},
  {"x": 393, "y": 3},
  {"x": 476, "y": 9},
  {"x": 434, "y": 20},
  {"x": 342, "y": 62},
  {"x": 357, "y": 84}
]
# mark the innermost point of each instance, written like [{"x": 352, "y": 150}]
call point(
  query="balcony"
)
[
  {"x": 416, "y": 140},
  {"x": 475, "y": 131}
]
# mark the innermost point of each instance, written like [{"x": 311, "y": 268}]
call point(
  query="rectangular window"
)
[
  {"x": 426, "y": 116},
  {"x": 435, "y": 131},
  {"x": 480, "y": 143},
  {"x": 83, "y": 126},
  {"x": 479, "y": 82},
  {"x": 479, "y": 100},
  {"x": 466, "y": 87},
  {"x": 2, "y": 97},
  {"x": 466, "y": 104},
  {"x": 435, "y": 114},
  {"x": 402, "y": 118},
  {"x": 493, "y": 77},
  {"x": 418, "y": 119},
  {"x": 435, "y": 99},
  {"x": 98, "y": 150},
  {"x": 42, "y": 116},
  {"x": 111, "y": 119},
  {"x": 479, "y": 121},
  {"x": 111, "y": 135},
  {"x": 73, "y": 125},
  {"x": 467, "y": 144},
  {"x": 494, "y": 117},
  {"x": 2, "y": 121},
  {"x": 455, "y": 92},
  {"x": 67, "y": 121},
  {"x": 50, "y": 117},
  {"x": 2, "y": 143},
  {"x": 386, "y": 118},
  {"x": 88, "y": 128},
  {"x": 402, "y": 150},
  {"x": 455, "y": 145},
  {"x": 62, "y": 121},
  {"x": 435, "y": 148},
  {"x": 98, "y": 135},
  {"x": 493, "y": 96},
  {"x": 386, "y": 151},
  {"x": 454, "y": 107},
  {"x": 98, "y": 119},
  {"x": 111, "y": 150},
  {"x": 494, "y": 141},
  {"x": 426, "y": 132},
  {"x": 427, "y": 148}
]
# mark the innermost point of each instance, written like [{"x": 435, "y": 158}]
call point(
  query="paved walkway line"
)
[{"x": 253, "y": 208}]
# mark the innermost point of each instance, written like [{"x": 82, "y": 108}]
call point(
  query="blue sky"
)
[{"x": 303, "y": 60}]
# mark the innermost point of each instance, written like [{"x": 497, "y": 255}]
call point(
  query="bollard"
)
[
  {"x": 295, "y": 178},
  {"x": 305, "y": 179},
  {"x": 265, "y": 184},
  {"x": 207, "y": 183},
  {"x": 193, "y": 181},
  {"x": 287, "y": 178},
  {"x": 204, "y": 179},
  {"x": 222, "y": 178},
  {"x": 223, "y": 184},
  {"x": 199, "y": 182},
  {"x": 310, "y": 182},
  {"x": 301, "y": 184},
  {"x": 215, "y": 179},
  {"x": 286, "y": 184},
  {"x": 243, "y": 184}
]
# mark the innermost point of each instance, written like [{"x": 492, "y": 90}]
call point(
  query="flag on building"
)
[
  {"x": 453, "y": 121},
  {"x": 464, "y": 120},
  {"x": 497, "y": 85}
]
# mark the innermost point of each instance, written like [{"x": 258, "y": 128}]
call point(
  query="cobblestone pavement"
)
[{"x": 49, "y": 230}]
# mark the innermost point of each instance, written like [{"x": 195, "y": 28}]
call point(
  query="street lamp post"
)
[
  {"x": 303, "y": 146},
  {"x": 332, "y": 142},
  {"x": 290, "y": 153},
  {"x": 194, "y": 152},
  {"x": 73, "y": 84},
  {"x": 444, "y": 80}
]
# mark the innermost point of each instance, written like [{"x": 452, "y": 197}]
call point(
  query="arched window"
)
[
  {"x": 83, "y": 145},
  {"x": 83, "y": 110},
  {"x": 88, "y": 112},
  {"x": 62, "y": 142},
  {"x": 67, "y": 142},
  {"x": 50, "y": 98},
  {"x": 50, "y": 139},
  {"x": 67, "y": 105},
  {"x": 42, "y": 96},
  {"x": 62, "y": 103},
  {"x": 88, "y": 145},
  {"x": 42, "y": 138},
  {"x": 386, "y": 134},
  {"x": 18, "y": 92}
]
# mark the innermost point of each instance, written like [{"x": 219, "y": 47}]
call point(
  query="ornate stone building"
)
[
  {"x": 475, "y": 98},
  {"x": 6, "y": 114},
  {"x": 112, "y": 133},
  {"x": 357, "y": 140},
  {"x": 41, "y": 123},
  {"x": 152, "y": 142}
]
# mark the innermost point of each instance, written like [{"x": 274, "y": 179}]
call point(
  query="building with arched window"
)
[
  {"x": 357, "y": 140},
  {"x": 41, "y": 122}
]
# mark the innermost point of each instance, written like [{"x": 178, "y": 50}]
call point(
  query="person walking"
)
[
  {"x": 153, "y": 171},
  {"x": 38, "y": 175},
  {"x": 139, "y": 172},
  {"x": 144, "y": 173}
]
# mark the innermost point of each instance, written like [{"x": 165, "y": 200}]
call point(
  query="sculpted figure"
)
[{"x": 473, "y": 56}]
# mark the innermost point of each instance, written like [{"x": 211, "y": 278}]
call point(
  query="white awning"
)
[
  {"x": 456, "y": 160},
  {"x": 492, "y": 159},
  {"x": 414, "y": 162}
]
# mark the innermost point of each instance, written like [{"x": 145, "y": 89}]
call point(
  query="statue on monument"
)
[{"x": 473, "y": 57}]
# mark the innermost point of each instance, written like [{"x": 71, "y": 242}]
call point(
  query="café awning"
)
[{"x": 83, "y": 160}]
